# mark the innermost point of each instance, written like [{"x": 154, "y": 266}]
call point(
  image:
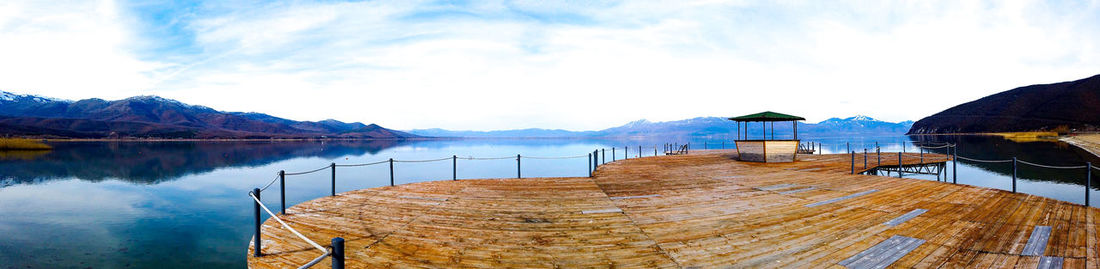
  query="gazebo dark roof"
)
[{"x": 767, "y": 116}]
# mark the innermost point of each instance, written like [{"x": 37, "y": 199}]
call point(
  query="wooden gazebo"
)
[{"x": 766, "y": 149}]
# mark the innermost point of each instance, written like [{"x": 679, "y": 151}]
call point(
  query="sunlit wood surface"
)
[{"x": 699, "y": 210}]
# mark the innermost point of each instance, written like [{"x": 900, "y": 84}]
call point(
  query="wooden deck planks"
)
[{"x": 703, "y": 210}]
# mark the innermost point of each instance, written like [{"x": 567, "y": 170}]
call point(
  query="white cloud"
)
[
  {"x": 584, "y": 65},
  {"x": 73, "y": 49}
]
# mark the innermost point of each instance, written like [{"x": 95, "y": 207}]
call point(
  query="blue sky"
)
[{"x": 576, "y": 65}]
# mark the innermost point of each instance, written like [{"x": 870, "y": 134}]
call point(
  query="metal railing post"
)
[
  {"x": 282, "y": 190},
  {"x": 337, "y": 253},
  {"x": 454, "y": 167},
  {"x": 853, "y": 154},
  {"x": 612, "y": 154},
  {"x": 256, "y": 215},
  {"x": 878, "y": 154},
  {"x": 864, "y": 158},
  {"x": 590, "y": 165},
  {"x": 1088, "y": 181},
  {"x": 921, "y": 154},
  {"x": 626, "y": 153},
  {"x": 391, "y": 172},
  {"x": 704, "y": 145},
  {"x": 955, "y": 164},
  {"x": 603, "y": 155},
  {"x": 899, "y": 164},
  {"x": 333, "y": 165},
  {"x": 1013, "y": 174},
  {"x": 518, "y": 175}
]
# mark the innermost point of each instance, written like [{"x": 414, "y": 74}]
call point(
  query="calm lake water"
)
[{"x": 185, "y": 204}]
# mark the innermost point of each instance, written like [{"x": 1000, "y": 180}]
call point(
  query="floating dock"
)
[{"x": 700, "y": 210}]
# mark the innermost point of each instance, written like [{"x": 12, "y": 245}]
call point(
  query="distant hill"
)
[
  {"x": 156, "y": 117},
  {"x": 1073, "y": 105},
  {"x": 701, "y": 126}
]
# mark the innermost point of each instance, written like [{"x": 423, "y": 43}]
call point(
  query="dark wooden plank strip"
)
[
  {"x": 884, "y": 253},
  {"x": 1037, "y": 242},
  {"x": 834, "y": 200},
  {"x": 776, "y": 187},
  {"x": 798, "y": 190},
  {"x": 906, "y": 217},
  {"x": 1047, "y": 262}
]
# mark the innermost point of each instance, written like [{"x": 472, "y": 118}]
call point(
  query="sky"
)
[{"x": 576, "y": 65}]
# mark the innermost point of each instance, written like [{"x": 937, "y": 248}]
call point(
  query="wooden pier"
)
[{"x": 700, "y": 210}]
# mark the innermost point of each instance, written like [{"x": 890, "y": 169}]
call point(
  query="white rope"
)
[
  {"x": 1052, "y": 166},
  {"x": 423, "y": 161},
  {"x": 361, "y": 164},
  {"x": 292, "y": 230},
  {"x": 307, "y": 172}
]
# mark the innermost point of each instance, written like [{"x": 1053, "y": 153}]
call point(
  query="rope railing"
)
[
  {"x": 269, "y": 183},
  {"x": 486, "y": 159},
  {"x": 360, "y": 164},
  {"x": 984, "y": 161},
  {"x": 307, "y": 172},
  {"x": 422, "y": 161},
  {"x": 554, "y": 158},
  {"x": 295, "y": 232},
  {"x": 1051, "y": 166}
]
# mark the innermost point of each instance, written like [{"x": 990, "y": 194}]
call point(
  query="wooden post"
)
[
  {"x": 795, "y": 130},
  {"x": 518, "y": 174},
  {"x": 921, "y": 154},
  {"x": 847, "y": 146},
  {"x": 256, "y": 209},
  {"x": 738, "y": 130},
  {"x": 704, "y": 145},
  {"x": 604, "y": 156},
  {"x": 333, "y": 165},
  {"x": 454, "y": 166},
  {"x": 391, "y": 172},
  {"x": 878, "y": 154},
  {"x": 1088, "y": 181},
  {"x": 590, "y": 165},
  {"x": 282, "y": 190},
  {"x": 626, "y": 153},
  {"x": 337, "y": 253},
  {"x": 773, "y": 130},
  {"x": 864, "y": 158},
  {"x": 612, "y": 154},
  {"x": 1013, "y": 174}
]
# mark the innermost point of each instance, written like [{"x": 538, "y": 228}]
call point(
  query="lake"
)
[{"x": 185, "y": 204}]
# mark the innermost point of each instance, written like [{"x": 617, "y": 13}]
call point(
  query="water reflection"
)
[
  {"x": 155, "y": 162},
  {"x": 1054, "y": 153}
]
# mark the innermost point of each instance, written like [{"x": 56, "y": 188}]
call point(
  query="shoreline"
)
[{"x": 1088, "y": 142}]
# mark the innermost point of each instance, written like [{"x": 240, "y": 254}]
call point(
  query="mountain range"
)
[
  {"x": 701, "y": 126},
  {"x": 1065, "y": 106},
  {"x": 156, "y": 117}
]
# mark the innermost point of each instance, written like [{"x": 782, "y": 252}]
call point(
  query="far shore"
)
[{"x": 1087, "y": 142}]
